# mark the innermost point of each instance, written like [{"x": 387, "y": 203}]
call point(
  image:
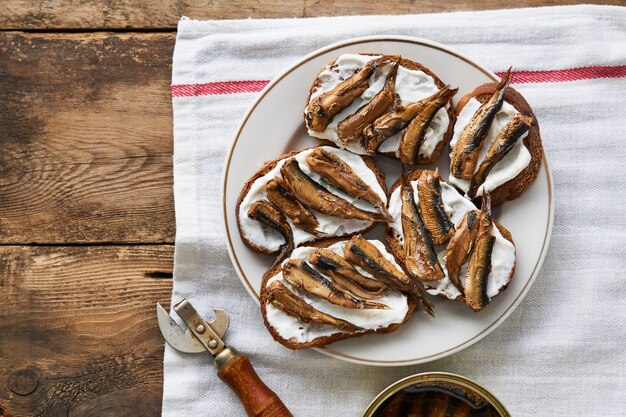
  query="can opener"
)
[{"x": 233, "y": 367}]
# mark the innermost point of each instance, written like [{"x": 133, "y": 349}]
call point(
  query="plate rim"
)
[{"x": 235, "y": 138}]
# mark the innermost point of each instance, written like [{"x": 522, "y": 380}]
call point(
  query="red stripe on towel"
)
[
  {"x": 572, "y": 74},
  {"x": 519, "y": 77},
  {"x": 220, "y": 87}
]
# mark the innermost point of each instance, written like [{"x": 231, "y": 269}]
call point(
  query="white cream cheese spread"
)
[
  {"x": 455, "y": 205},
  {"x": 513, "y": 162},
  {"x": 290, "y": 328},
  {"x": 411, "y": 86},
  {"x": 329, "y": 226}
]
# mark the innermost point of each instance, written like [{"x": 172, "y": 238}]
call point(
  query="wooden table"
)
[{"x": 86, "y": 207}]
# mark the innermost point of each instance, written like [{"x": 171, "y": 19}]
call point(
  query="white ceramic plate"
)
[{"x": 423, "y": 338}]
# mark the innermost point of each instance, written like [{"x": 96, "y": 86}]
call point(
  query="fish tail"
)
[
  {"x": 394, "y": 70},
  {"x": 418, "y": 294},
  {"x": 485, "y": 206},
  {"x": 395, "y": 59},
  {"x": 405, "y": 175},
  {"x": 506, "y": 80},
  {"x": 285, "y": 251},
  {"x": 351, "y": 327},
  {"x": 444, "y": 91},
  {"x": 385, "y": 213},
  {"x": 373, "y": 305},
  {"x": 427, "y": 306}
]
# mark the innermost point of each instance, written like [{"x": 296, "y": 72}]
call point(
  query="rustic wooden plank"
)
[
  {"x": 163, "y": 14},
  {"x": 86, "y": 138},
  {"x": 78, "y": 330}
]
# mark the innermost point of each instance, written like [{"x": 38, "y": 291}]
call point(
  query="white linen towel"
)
[{"x": 563, "y": 351}]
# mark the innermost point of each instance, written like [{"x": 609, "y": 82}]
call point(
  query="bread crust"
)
[
  {"x": 397, "y": 250},
  {"x": 515, "y": 187},
  {"x": 412, "y": 65},
  {"x": 267, "y": 167},
  {"x": 325, "y": 340}
]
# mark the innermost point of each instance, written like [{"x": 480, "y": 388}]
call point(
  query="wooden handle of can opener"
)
[{"x": 236, "y": 370}]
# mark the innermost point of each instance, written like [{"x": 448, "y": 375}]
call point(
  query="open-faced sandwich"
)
[
  {"x": 496, "y": 144},
  {"x": 365, "y": 103},
  {"x": 308, "y": 195},
  {"x": 445, "y": 242},
  {"x": 337, "y": 290}
]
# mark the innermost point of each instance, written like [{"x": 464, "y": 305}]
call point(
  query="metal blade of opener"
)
[
  {"x": 179, "y": 339},
  {"x": 220, "y": 323}
]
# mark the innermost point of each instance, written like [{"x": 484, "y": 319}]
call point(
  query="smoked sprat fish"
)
[
  {"x": 345, "y": 276},
  {"x": 338, "y": 173},
  {"x": 460, "y": 246},
  {"x": 279, "y": 196},
  {"x": 265, "y": 212},
  {"x": 351, "y": 129},
  {"x": 315, "y": 196},
  {"x": 479, "y": 265},
  {"x": 431, "y": 207},
  {"x": 388, "y": 125},
  {"x": 420, "y": 257},
  {"x": 413, "y": 136},
  {"x": 285, "y": 300},
  {"x": 507, "y": 138},
  {"x": 363, "y": 253},
  {"x": 302, "y": 276},
  {"x": 322, "y": 109},
  {"x": 464, "y": 156}
]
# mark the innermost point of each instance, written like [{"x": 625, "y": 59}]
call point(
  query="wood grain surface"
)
[
  {"x": 85, "y": 160},
  {"x": 86, "y": 138},
  {"x": 78, "y": 329},
  {"x": 163, "y": 14},
  {"x": 86, "y": 206}
]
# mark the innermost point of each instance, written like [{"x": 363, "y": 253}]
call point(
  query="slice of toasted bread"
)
[
  {"x": 437, "y": 287},
  {"x": 516, "y": 186},
  {"x": 411, "y": 65},
  {"x": 325, "y": 334},
  {"x": 268, "y": 167}
]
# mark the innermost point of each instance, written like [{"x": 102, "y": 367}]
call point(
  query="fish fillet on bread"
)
[
  {"x": 298, "y": 318},
  {"x": 514, "y": 167},
  {"x": 356, "y": 113},
  {"x": 457, "y": 209},
  {"x": 308, "y": 224}
]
